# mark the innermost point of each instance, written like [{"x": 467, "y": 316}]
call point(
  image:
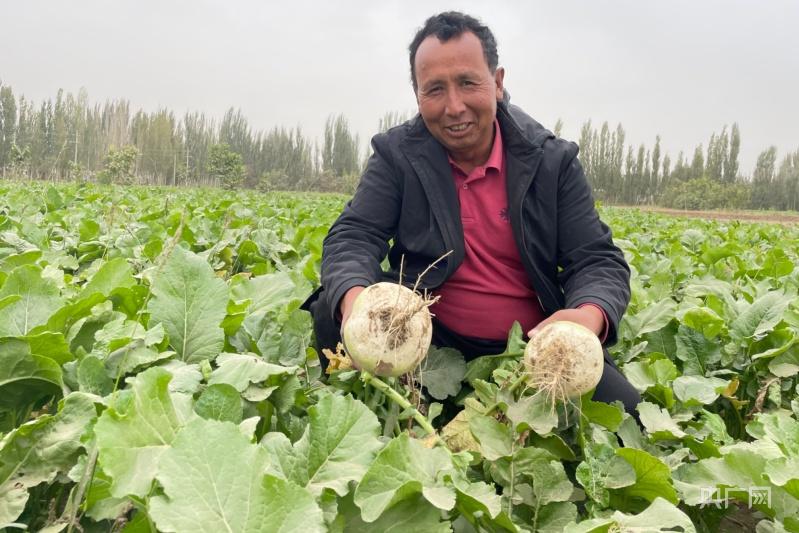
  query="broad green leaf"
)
[
  {"x": 220, "y": 402},
  {"x": 553, "y": 517},
  {"x": 652, "y": 318},
  {"x": 658, "y": 422},
  {"x": 604, "y": 414},
  {"x": 441, "y": 372},
  {"x": 242, "y": 369},
  {"x": 413, "y": 514},
  {"x": 773, "y": 344},
  {"x": 786, "y": 364},
  {"x": 653, "y": 478},
  {"x": 38, "y": 450},
  {"x": 601, "y": 470},
  {"x": 191, "y": 302},
  {"x": 206, "y": 494},
  {"x": 695, "y": 351},
  {"x": 25, "y": 379},
  {"x": 704, "y": 320},
  {"x": 738, "y": 469},
  {"x": 339, "y": 444},
  {"x": 401, "y": 470},
  {"x": 534, "y": 412},
  {"x": 112, "y": 275},
  {"x": 65, "y": 317},
  {"x": 778, "y": 427},
  {"x": 48, "y": 344},
  {"x": 550, "y": 483},
  {"x": 92, "y": 376},
  {"x": 646, "y": 374},
  {"x": 39, "y": 298},
  {"x": 661, "y": 515},
  {"x": 760, "y": 316},
  {"x": 495, "y": 438},
  {"x": 698, "y": 390},
  {"x": 135, "y": 430}
]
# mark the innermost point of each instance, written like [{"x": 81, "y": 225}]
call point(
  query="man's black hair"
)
[{"x": 451, "y": 24}]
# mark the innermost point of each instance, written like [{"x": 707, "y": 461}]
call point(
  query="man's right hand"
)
[{"x": 347, "y": 301}]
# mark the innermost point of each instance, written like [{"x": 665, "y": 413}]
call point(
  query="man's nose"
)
[{"x": 454, "y": 104}]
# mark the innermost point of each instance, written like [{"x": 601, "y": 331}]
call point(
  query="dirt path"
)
[{"x": 748, "y": 216}]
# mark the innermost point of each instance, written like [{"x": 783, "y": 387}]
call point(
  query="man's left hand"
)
[{"x": 588, "y": 316}]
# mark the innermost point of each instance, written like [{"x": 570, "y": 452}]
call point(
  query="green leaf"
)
[
  {"x": 601, "y": 470},
  {"x": 658, "y": 422},
  {"x": 653, "y": 478},
  {"x": 242, "y": 369},
  {"x": 112, "y": 275},
  {"x": 403, "y": 469},
  {"x": 778, "y": 427},
  {"x": 738, "y": 468},
  {"x": 773, "y": 344},
  {"x": 695, "y": 351},
  {"x": 25, "y": 379},
  {"x": 704, "y": 320},
  {"x": 220, "y": 402},
  {"x": 206, "y": 494},
  {"x": 698, "y": 390},
  {"x": 555, "y": 516},
  {"x": 135, "y": 430},
  {"x": 48, "y": 344},
  {"x": 441, "y": 372},
  {"x": 604, "y": 414},
  {"x": 495, "y": 438},
  {"x": 191, "y": 302},
  {"x": 339, "y": 444},
  {"x": 786, "y": 364},
  {"x": 652, "y": 318},
  {"x": 550, "y": 483},
  {"x": 534, "y": 412},
  {"x": 412, "y": 514},
  {"x": 659, "y": 516},
  {"x": 92, "y": 376},
  {"x": 760, "y": 316},
  {"x": 38, "y": 450},
  {"x": 482, "y": 367},
  {"x": 39, "y": 298}
]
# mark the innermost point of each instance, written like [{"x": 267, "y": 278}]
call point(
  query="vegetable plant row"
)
[{"x": 157, "y": 374}]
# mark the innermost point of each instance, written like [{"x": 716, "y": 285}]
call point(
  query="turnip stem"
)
[
  {"x": 401, "y": 401},
  {"x": 515, "y": 385}
]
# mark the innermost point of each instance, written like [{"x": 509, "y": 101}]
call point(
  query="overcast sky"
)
[{"x": 679, "y": 68}]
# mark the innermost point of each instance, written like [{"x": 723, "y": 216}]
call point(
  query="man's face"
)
[{"x": 457, "y": 95}]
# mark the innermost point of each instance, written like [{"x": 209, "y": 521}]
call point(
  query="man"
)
[{"x": 477, "y": 176}]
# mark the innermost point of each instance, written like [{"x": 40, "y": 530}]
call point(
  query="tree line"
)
[
  {"x": 69, "y": 138},
  {"x": 709, "y": 179}
]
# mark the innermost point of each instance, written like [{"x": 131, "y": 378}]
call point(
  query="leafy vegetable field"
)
[{"x": 156, "y": 374}]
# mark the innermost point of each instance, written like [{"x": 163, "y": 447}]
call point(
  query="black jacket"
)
[{"x": 407, "y": 194}]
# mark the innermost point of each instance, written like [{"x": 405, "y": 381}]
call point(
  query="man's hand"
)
[
  {"x": 346, "y": 303},
  {"x": 589, "y": 316}
]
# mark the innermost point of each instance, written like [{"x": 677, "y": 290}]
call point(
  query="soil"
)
[{"x": 779, "y": 217}]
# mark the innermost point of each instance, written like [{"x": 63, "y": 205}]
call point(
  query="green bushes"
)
[{"x": 704, "y": 193}]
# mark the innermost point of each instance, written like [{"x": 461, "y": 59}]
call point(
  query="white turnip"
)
[
  {"x": 564, "y": 361},
  {"x": 389, "y": 329}
]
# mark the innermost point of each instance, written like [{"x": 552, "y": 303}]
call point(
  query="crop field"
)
[{"x": 157, "y": 374}]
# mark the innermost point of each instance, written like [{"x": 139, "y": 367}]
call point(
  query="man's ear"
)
[{"x": 499, "y": 80}]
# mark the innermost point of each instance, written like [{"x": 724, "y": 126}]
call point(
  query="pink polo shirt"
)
[{"x": 490, "y": 289}]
